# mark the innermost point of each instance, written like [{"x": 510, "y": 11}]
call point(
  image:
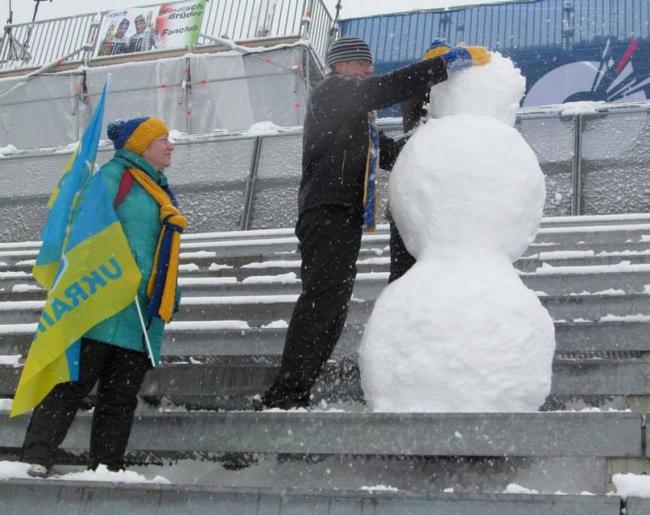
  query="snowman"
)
[{"x": 459, "y": 332}]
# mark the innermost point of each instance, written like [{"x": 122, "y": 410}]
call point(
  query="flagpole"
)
[{"x": 144, "y": 331}]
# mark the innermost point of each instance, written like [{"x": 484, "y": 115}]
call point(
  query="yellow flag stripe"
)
[{"x": 96, "y": 284}]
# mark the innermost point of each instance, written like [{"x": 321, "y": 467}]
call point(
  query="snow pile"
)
[
  {"x": 380, "y": 488},
  {"x": 12, "y": 470},
  {"x": 460, "y": 331},
  {"x": 276, "y": 324},
  {"x": 264, "y": 128},
  {"x": 514, "y": 488},
  {"x": 631, "y": 485},
  {"x": 12, "y": 360},
  {"x": 582, "y": 107},
  {"x": 103, "y": 474},
  {"x": 8, "y": 150}
]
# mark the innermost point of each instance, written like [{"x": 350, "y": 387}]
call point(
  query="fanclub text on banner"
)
[{"x": 94, "y": 275}]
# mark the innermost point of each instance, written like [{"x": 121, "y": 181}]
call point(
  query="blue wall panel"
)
[{"x": 567, "y": 49}]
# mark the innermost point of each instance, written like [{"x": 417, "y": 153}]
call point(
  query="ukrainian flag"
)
[{"x": 85, "y": 264}]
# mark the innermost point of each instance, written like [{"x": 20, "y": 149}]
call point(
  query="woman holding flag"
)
[{"x": 116, "y": 352}]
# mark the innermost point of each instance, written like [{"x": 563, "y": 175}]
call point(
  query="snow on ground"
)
[
  {"x": 211, "y": 281},
  {"x": 380, "y": 488},
  {"x": 631, "y": 485},
  {"x": 10, "y": 360},
  {"x": 189, "y": 267},
  {"x": 18, "y": 470},
  {"x": 217, "y": 266},
  {"x": 288, "y": 278},
  {"x": 276, "y": 324},
  {"x": 103, "y": 474},
  {"x": 514, "y": 488},
  {"x": 8, "y": 150},
  {"x": 208, "y": 325},
  {"x": 274, "y": 264},
  {"x": 18, "y": 328},
  {"x": 24, "y": 288},
  {"x": 236, "y": 299}
]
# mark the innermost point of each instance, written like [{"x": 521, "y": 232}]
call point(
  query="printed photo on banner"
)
[{"x": 140, "y": 29}]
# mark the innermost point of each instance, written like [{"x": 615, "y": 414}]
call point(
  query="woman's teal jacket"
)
[{"x": 140, "y": 219}]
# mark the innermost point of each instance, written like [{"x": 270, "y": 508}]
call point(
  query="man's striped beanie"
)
[{"x": 348, "y": 48}]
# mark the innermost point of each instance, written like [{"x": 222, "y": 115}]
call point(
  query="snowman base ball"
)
[
  {"x": 474, "y": 339},
  {"x": 460, "y": 332}
]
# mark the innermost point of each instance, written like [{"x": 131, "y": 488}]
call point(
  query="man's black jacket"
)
[{"x": 335, "y": 137}]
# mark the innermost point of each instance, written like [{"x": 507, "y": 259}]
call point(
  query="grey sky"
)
[{"x": 24, "y": 9}]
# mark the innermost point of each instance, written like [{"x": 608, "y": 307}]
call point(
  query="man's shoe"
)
[{"x": 36, "y": 470}]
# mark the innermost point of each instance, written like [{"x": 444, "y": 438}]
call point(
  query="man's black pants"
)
[
  {"x": 400, "y": 259},
  {"x": 120, "y": 373},
  {"x": 330, "y": 238}
]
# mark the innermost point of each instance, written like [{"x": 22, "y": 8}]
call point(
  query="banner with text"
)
[{"x": 161, "y": 26}]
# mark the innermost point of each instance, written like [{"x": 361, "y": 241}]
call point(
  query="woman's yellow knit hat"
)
[{"x": 136, "y": 134}]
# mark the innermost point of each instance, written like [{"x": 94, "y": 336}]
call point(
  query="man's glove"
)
[{"x": 461, "y": 57}]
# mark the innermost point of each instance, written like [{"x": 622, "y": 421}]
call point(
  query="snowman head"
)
[{"x": 494, "y": 89}]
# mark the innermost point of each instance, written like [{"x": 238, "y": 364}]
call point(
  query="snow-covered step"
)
[
  {"x": 145, "y": 499},
  {"x": 581, "y": 258},
  {"x": 597, "y": 222},
  {"x": 608, "y": 280},
  {"x": 550, "y": 223},
  {"x": 584, "y": 434},
  {"x": 551, "y": 236},
  {"x": 236, "y": 337},
  {"x": 566, "y": 452},
  {"x": 229, "y": 382},
  {"x": 566, "y": 276},
  {"x": 201, "y": 338},
  {"x": 258, "y": 310},
  {"x": 226, "y": 249}
]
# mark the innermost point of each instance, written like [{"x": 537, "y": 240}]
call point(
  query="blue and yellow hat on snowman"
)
[{"x": 457, "y": 57}]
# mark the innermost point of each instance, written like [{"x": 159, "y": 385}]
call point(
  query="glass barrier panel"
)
[
  {"x": 616, "y": 163},
  {"x": 552, "y": 140},
  {"x": 275, "y": 197}
]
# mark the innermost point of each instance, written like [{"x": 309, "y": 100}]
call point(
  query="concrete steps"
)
[
  {"x": 481, "y": 452},
  {"x": 223, "y": 348},
  {"x": 563, "y": 280},
  {"x": 232, "y": 338},
  {"x": 258, "y": 310},
  {"x": 67, "y": 496}
]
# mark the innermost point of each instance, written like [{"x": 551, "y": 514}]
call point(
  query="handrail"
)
[{"x": 34, "y": 44}]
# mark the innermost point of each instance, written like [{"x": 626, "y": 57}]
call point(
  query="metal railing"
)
[
  {"x": 38, "y": 43},
  {"x": 29, "y": 45},
  {"x": 594, "y": 163}
]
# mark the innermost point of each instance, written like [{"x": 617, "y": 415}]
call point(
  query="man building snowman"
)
[{"x": 341, "y": 151}]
